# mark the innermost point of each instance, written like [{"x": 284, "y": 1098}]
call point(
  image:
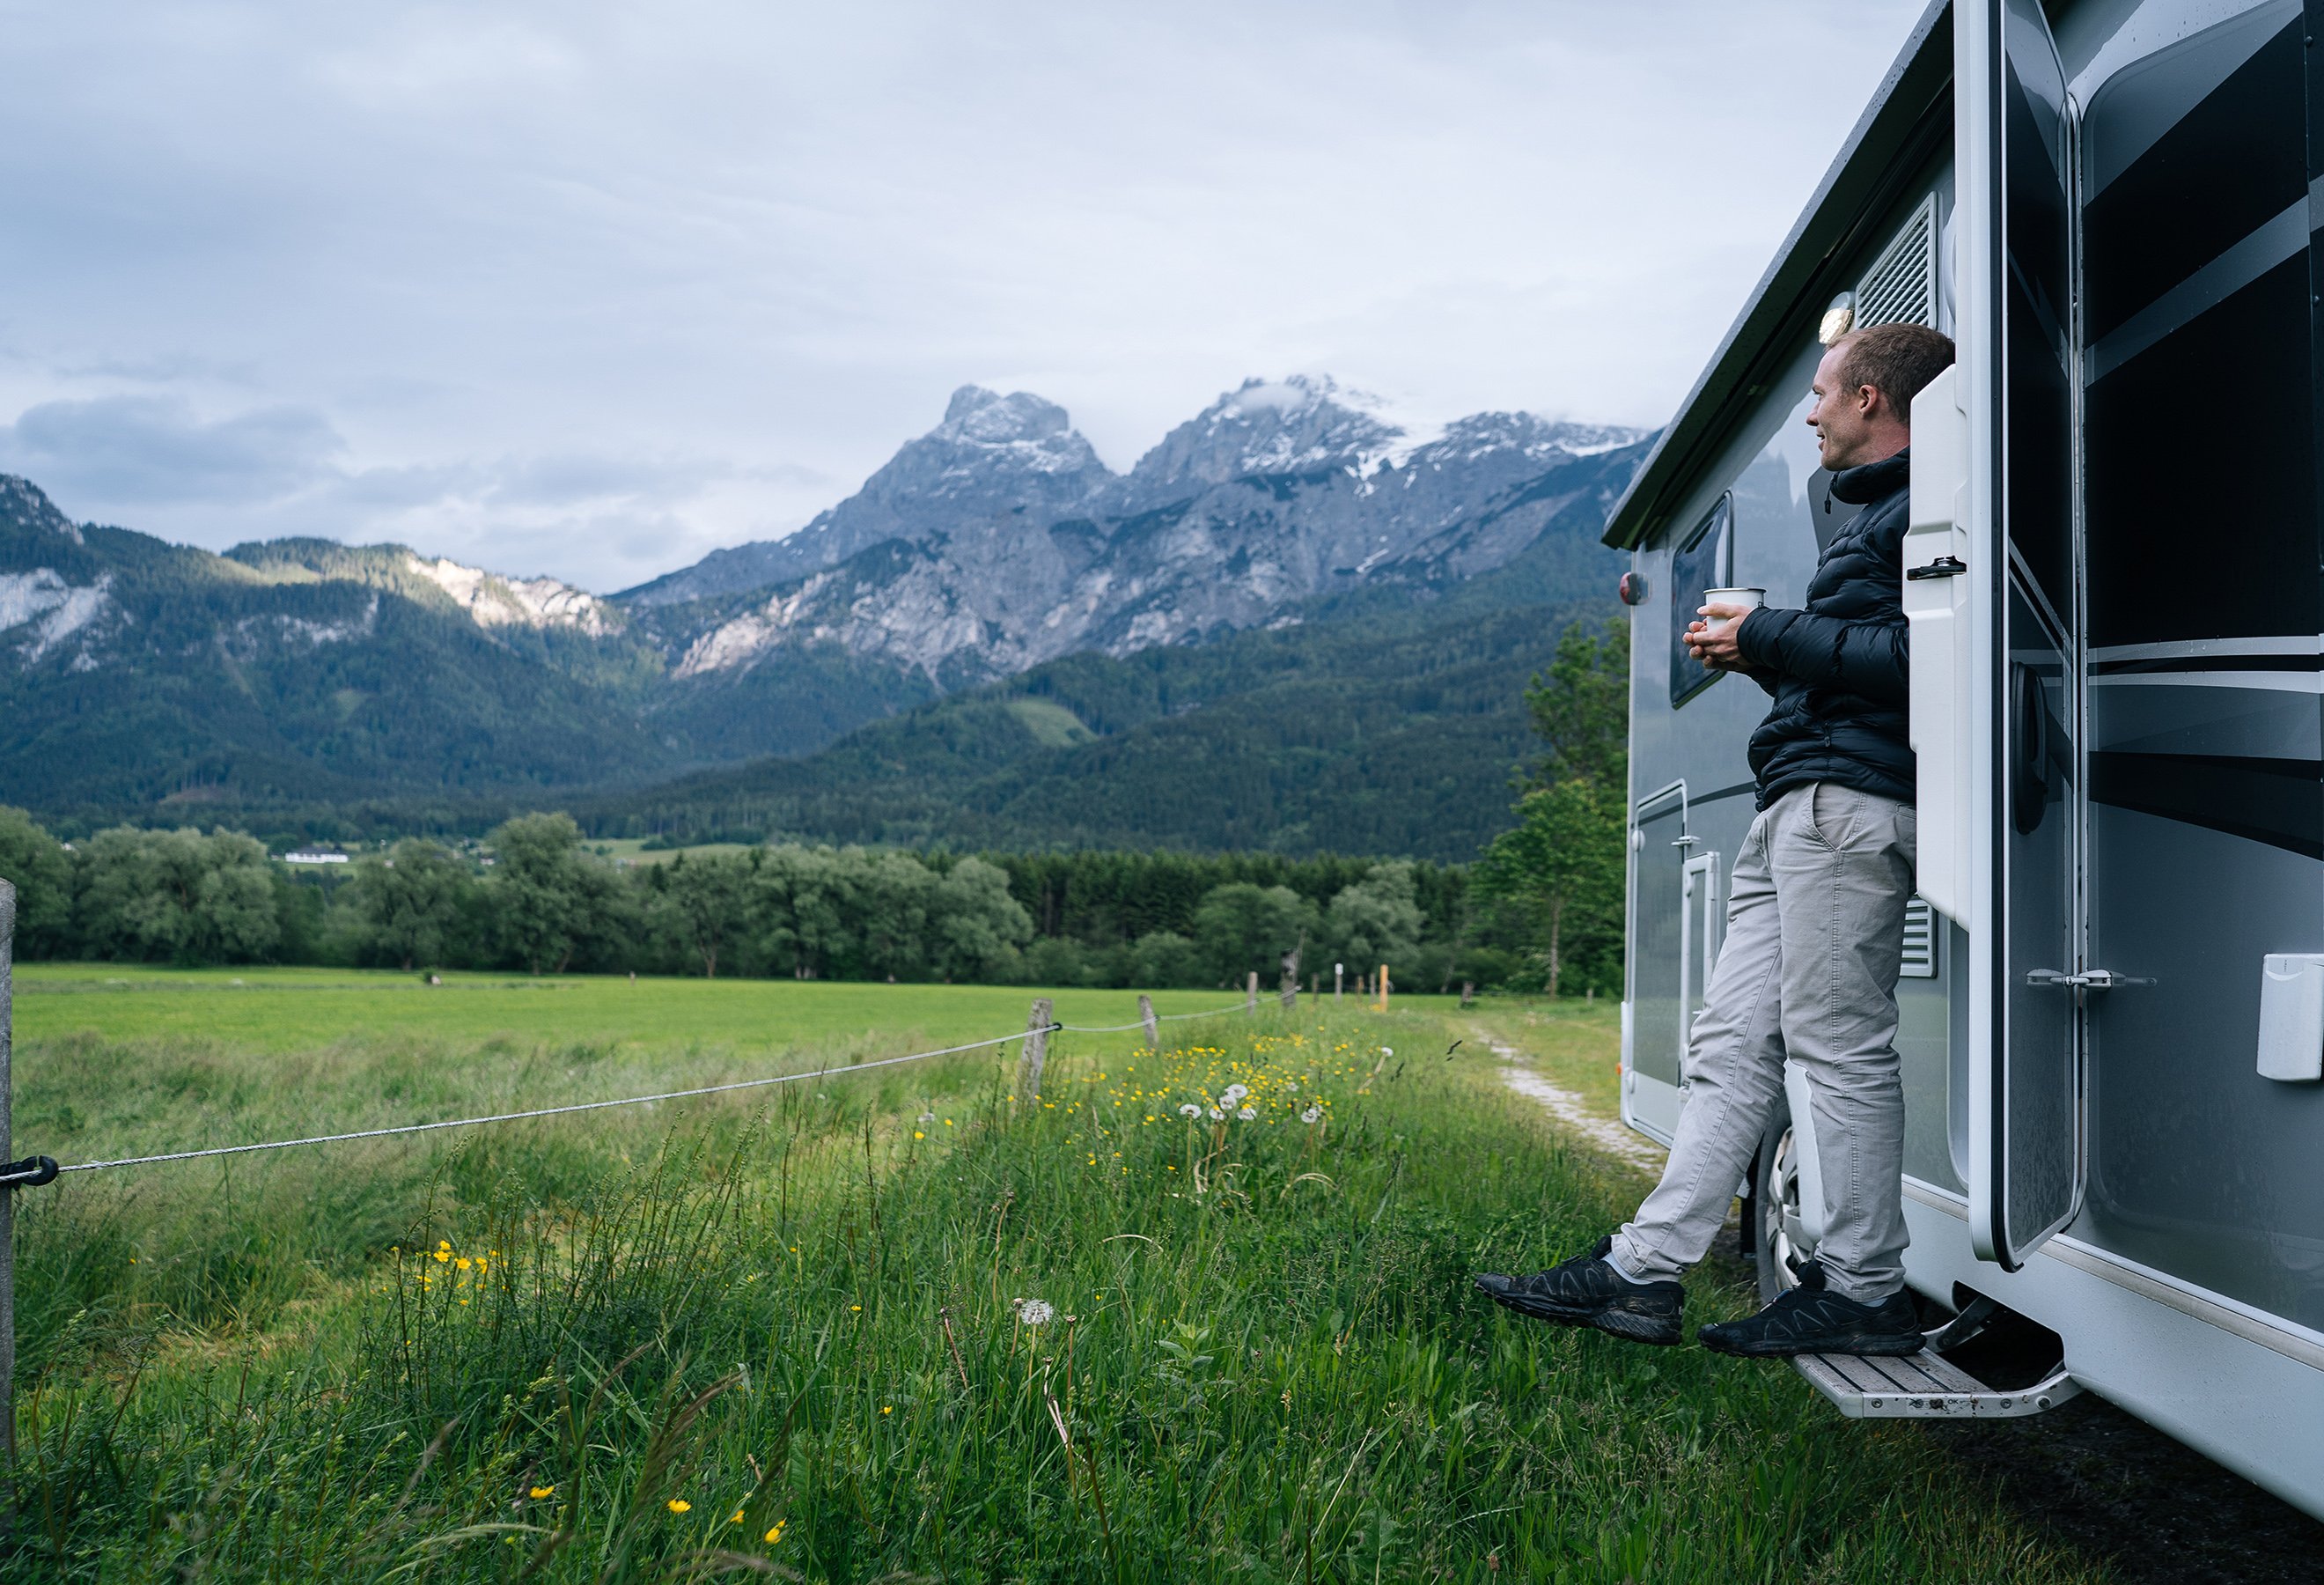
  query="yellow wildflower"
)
[
  {"x": 678, "y": 1505},
  {"x": 776, "y": 1533},
  {"x": 538, "y": 1492}
]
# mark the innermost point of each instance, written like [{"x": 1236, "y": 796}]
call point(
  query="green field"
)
[{"x": 779, "y": 1333}]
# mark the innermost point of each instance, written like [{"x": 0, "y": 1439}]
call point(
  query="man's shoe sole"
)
[
  {"x": 1862, "y": 1345},
  {"x": 1661, "y": 1331}
]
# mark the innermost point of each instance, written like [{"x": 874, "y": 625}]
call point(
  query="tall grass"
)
[{"x": 1077, "y": 1338}]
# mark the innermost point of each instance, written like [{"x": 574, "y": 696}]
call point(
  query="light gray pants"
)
[{"x": 1815, "y": 931}]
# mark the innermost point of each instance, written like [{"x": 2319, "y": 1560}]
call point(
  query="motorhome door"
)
[{"x": 1993, "y": 592}]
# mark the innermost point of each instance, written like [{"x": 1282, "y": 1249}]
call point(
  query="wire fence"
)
[{"x": 630, "y": 1101}]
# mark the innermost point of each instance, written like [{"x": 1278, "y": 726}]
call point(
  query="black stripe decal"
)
[{"x": 2278, "y": 801}]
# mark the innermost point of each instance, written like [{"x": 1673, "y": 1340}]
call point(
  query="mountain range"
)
[{"x": 993, "y": 564}]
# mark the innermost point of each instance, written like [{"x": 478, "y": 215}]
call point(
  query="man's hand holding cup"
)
[{"x": 1712, "y": 639}]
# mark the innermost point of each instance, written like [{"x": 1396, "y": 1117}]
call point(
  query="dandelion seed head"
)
[
  {"x": 1217, "y": 1115},
  {"x": 1311, "y": 1114},
  {"x": 1247, "y": 1113},
  {"x": 1190, "y": 1110},
  {"x": 1035, "y": 1311}
]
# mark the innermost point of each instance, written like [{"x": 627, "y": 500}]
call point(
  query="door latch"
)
[
  {"x": 1943, "y": 567},
  {"x": 2089, "y": 979}
]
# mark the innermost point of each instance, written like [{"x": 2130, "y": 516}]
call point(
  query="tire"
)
[{"x": 1774, "y": 1230}]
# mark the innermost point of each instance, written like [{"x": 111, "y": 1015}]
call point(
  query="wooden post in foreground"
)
[
  {"x": 1250, "y": 993},
  {"x": 1383, "y": 988},
  {"x": 1145, "y": 1016},
  {"x": 1339, "y": 980},
  {"x": 7, "y": 1195},
  {"x": 1291, "y": 980},
  {"x": 1036, "y": 1048},
  {"x": 1468, "y": 991}
]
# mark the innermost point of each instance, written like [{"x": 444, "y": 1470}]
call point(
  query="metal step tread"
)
[{"x": 1923, "y": 1386}]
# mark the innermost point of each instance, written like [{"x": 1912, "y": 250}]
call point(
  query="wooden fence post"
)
[
  {"x": 1145, "y": 1016},
  {"x": 1468, "y": 991},
  {"x": 7, "y": 1195},
  {"x": 1250, "y": 993},
  {"x": 1291, "y": 980},
  {"x": 1036, "y": 1048},
  {"x": 1383, "y": 988},
  {"x": 1339, "y": 980}
]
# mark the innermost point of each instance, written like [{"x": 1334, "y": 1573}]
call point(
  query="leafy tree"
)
[
  {"x": 41, "y": 871},
  {"x": 550, "y": 899},
  {"x": 1242, "y": 927},
  {"x": 177, "y": 896},
  {"x": 1163, "y": 958},
  {"x": 408, "y": 903},
  {"x": 801, "y": 906},
  {"x": 1560, "y": 869},
  {"x": 1581, "y": 712},
  {"x": 704, "y": 902},
  {"x": 975, "y": 927},
  {"x": 1377, "y": 921}
]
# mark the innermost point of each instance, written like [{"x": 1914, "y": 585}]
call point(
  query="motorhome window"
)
[
  {"x": 1704, "y": 560},
  {"x": 2197, "y": 269}
]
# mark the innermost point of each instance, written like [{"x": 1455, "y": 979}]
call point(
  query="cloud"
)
[
  {"x": 595, "y": 288},
  {"x": 140, "y": 450}
]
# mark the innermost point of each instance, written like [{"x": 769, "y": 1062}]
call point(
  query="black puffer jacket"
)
[{"x": 1838, "y": 669}]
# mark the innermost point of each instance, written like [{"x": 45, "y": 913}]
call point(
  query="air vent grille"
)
[
  {"x": 1920, "y": 940},
  {"x": 1900, "y": 287}
]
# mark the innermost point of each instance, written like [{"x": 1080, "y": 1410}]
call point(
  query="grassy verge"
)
[{"x": 926, "y": 1326}]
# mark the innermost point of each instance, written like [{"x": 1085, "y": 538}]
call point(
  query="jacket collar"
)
[{"x": 1857, "y": 485}]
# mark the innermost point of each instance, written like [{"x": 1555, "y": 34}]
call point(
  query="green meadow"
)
[{"x": 915, "y": 1323}]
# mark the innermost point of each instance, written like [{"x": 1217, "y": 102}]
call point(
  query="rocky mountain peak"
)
[
  {"x": 26, "y": 508},
  {"x": 1301, "y": 423}
]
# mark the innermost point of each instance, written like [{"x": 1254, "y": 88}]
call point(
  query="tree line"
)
[
  {"x": 537, "y": 898},
  {"x": 1540, "y": 910}
]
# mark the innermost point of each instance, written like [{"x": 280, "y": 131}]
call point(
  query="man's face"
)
[{"x": 1838, "y": 415}]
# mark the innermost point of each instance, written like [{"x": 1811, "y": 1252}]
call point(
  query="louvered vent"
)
[
  {"x": 1920, "y": 940},
  {"x": 1900, "y": 287}
]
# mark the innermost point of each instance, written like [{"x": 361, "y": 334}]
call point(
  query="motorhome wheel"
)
[{"x": 1775, "y": 1201}]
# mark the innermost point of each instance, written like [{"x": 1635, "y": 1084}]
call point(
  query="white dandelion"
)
[
  {"x": 1248, "y": 1113},
  {"x": 1190, "y": 1110},
  {"x": 1217, "y": 1115},
  {"x": 1291, "y": 1084},
  {"x": 1387, "y": 1051},
  {"x": 1311, "y": 1114},
  {"x": 1233, "y": 1093},
  {"x": 927, "y": 1116},
  {"x": 1035, "y": 1311}
]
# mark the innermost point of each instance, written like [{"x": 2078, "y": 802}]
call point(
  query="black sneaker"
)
[
  {"x": 1811, "y": 1319},
  {"x": 1587, "y": 1292}
]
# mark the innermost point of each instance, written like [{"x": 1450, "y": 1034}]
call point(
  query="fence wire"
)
[{"x": 596, "y": 1105}]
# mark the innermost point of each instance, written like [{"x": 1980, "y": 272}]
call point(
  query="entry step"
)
[{"x": 1923, "y": 1386}]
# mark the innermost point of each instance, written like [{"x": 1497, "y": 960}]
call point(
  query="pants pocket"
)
[{"x": 1834, "y": 813}]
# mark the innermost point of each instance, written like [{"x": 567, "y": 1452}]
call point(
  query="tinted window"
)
[{"x": 1704, "y": 561}]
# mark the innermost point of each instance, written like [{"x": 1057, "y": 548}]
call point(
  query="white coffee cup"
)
[{"x": 1751, "y": 599}]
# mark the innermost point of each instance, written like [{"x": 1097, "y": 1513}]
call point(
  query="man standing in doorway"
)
[{"x": 1815, "y": 928}]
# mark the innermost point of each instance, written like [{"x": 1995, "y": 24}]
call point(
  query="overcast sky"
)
[{"x": 589, "y": 289}]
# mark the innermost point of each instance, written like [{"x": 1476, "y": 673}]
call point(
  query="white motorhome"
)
[{"x": 2113, "y": 1009}]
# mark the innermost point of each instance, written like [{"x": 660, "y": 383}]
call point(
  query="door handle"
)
[{"x": 1943, "y": 567}]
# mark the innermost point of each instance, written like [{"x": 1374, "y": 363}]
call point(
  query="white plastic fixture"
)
[{"x": 2291, "y": 1017}]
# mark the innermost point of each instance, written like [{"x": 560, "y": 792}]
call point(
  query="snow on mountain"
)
[
  {"x": 493, "y": 601},
  {"x": 999, "y": 541}
]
